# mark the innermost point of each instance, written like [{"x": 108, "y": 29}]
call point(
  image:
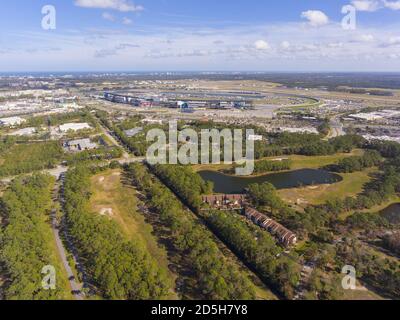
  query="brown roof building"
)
[
  {"x": 225, "y": 201},
  {"x": 284, "y": 235}
]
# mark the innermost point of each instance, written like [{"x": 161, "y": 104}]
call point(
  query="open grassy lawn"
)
[
  {"x": 302, "y": 162},
  {"x": 298, "y": 162},
  {"x": 112, "y": 198},
  {"x": 351, "y": 185}
]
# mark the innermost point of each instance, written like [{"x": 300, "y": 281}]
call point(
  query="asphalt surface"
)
[{"x": 74, "y": 284}]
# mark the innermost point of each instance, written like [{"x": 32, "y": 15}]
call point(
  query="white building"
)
[
  {"x": 152, "y": 121},
  {"x": 12, "y": 121},
  {"x": 74, "y": 127},
  {"x": 81, "y": 145},
  {"x": 24, "y": 132},
  {"x": 255, "y": 137},
  {"x": 377, "y": 115},
  {"x": 299, "y": 130}
]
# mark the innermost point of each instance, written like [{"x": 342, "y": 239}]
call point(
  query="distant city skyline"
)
[{"x": 178, "y": 35}]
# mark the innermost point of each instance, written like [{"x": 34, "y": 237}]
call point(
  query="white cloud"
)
[
  {"x": 394, "y": 41},
  {"x": 261, "y": 45},
  {"x": 315, "y": 18},
  {"x": 393, "y": 5},
  {"x": 239, "y": 48},
  {"x": 127, "y": 21},
  {"x": 120, "y": 5},
  {"x": 285, "y": 45},
  {"x": 366, "y": 5},
  {"x": 108, "y": 16},
  {"x": 367, "y": 38}
]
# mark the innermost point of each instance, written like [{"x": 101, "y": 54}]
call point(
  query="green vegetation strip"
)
[
  {"x": 27, "y": 243},
  {"x": 119, "y": 268},
  {"x": 215, "y": 276}
]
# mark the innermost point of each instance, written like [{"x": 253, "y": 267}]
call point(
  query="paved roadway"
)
[{"x": 76, "y": 287}]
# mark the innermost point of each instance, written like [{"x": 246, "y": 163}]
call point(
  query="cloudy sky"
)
[{"x": 194, "y": 35}]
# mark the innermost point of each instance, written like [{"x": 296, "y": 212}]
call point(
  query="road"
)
[
  {"x": 126, "y": 157},
  {"x": 55, "y": 172},
  {"x": 114, "y": 140},
  {"x": 76, "y": 287}
]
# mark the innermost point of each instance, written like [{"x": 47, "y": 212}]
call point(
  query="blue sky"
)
[{"x": 248, "y": 35}]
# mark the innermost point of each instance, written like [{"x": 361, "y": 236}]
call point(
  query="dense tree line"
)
[
  {"x": 306, "y": 144},
  {"x": 6, "y": 143},
  {"x": 324, "y": 128},
  {"x": 367, "y": 221},
  {"x": 118, "y": 267},
  {"x": 25, "y": 240},
  {"x": 185, "y": 182},
  {"x": 387, "y": 149},
  {"x": 378, "y": 272},
  {"x": 102, "y": 153},
  {"x": 24, "y": 158},
  {"x": 57, "y": 119},
  {"x": 137, "y": 144},
  {"x": 259, "y": 249},
  {"x": 392, "y": 242},
  {"x": 264, "y": 166},
  {"x": 266, "y": 195},
  {"x": 379, "y": 190},
  {"x": 216, "y": 277},
  {"x": 371, "y": 158},
  {"x": 384, "y": 185}
]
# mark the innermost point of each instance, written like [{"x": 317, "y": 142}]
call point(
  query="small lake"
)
[
  {"x": 282, "y": 180},
  {"x": 392, "y": 213}
]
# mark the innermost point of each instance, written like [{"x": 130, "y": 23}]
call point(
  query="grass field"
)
[
  {"x": 302, "y": 162},
  {"x": 112, "y": 198},
  {"x": 298, "y": 162},
  {"x": 351, "y": 185},
  {"x": 25, "y": 158}
]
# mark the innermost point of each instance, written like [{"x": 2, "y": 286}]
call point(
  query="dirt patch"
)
[{"x": 107, "y": 212}]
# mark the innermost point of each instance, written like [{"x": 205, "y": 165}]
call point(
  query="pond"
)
[
  {"x": 284, "y": 180},
  {"x": 392, "y": 213}
]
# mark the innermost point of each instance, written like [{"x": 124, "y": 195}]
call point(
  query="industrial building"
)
[
  {"x": 12, "y": 121},
  {"x": 133, "y": 132},
  {"x": 225, "y": 202},
  {"x": 74, "y": 127},
  {"x": 126, "y": 99},
  {"x": 376, "y": 116},
  {"x": 80, "y": 145},
  {"x": 24, "y": 132}
]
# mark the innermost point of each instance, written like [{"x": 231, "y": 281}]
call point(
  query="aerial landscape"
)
[{"x": 165, "y": 153}]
